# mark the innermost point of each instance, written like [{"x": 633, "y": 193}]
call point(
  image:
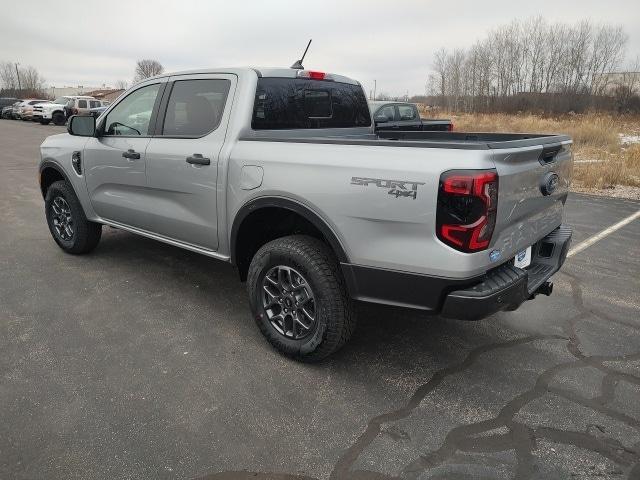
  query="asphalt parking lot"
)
[{"x": 142, "y": 360}]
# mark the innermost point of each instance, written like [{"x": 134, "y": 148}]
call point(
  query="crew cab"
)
[
  {"x": 405, "y": 116},
  {"x": 280, "y": 172}
]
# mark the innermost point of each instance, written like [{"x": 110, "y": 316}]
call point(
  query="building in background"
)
[
  {"x": 105, "y": 94},
  {"x": 102, "y": 93}
]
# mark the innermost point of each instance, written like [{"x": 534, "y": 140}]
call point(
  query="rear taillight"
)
[
  {"x": 450, "y": 127},
  {"x": 467, "y": 203},
  {"x": 74, "y": 111}
]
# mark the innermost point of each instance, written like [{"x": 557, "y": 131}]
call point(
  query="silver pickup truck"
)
[{"x": 280, "y": 172}]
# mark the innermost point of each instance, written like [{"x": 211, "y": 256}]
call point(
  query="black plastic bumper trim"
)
[
  {"x": 400, "y": 289},
  {"x": 504, "y": 287}
]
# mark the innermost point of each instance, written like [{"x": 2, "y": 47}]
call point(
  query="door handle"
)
[
  {"x": 131, "y": 154},
  {"x": 198, "y": 159}
]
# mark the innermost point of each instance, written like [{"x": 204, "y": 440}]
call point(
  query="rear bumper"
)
[
  {"x": 503, "y": 288},
  {"x": 507, "y": 287}
]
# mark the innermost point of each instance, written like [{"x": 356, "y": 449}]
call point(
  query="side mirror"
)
[{"x": 82, "y": 126}]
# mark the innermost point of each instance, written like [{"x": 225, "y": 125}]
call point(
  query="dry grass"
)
[{"x": 596, "y": 140}]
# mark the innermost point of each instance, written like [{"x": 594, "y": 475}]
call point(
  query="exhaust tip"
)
[{"x": 546, "y": 288}]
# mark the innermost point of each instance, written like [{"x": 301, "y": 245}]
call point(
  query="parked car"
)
[
  {"x": 83, "y": 105},
  {"x": 97, "y": 111},
  {"x": 6, "y": 102},
  {"x": 279, "y": 172},
  {"x": 404, "y": 116},
  {"x": 27, "y": 110},
  {"x": 7, "y": 111},
  {"x": 24, "y": 109},
  {"x": 62, "y": 107}
]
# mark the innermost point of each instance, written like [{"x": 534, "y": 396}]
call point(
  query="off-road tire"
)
[
  {"x": 86, "y": 234},
  {"x": 58, "y": 118},
  {"x": 335, "y": 319}
]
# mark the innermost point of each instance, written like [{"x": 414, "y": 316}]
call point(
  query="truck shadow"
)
[{"x": 386, "y": 337}]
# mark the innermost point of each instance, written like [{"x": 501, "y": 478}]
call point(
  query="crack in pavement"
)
[
  {"x": 342, "y": 467},
  {"x": 520, "y": 437}
]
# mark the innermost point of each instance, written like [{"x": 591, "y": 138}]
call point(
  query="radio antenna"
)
[{"x": 298, "y": 64}]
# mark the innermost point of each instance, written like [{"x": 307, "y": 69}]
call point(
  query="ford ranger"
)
[{"x": 280, "y": 172}]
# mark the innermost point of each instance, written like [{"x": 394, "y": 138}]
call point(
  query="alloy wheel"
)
[
  {"x": 62, "y": 218},
  {"x": 289, "y": 302}
]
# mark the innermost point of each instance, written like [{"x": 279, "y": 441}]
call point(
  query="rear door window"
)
[
  {"x": 94, "y": 103},
  {"x": 195, "y": 107},
  {"x": 291, "y": 103},
  {"x": 407, "y": 112},
  {"x": 82, "y": 104}
]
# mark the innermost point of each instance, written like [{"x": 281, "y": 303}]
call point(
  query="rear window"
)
[{"x": 289, "y": 103}]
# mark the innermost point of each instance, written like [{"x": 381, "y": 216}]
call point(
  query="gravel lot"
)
[{"x": 141, "y": 360}]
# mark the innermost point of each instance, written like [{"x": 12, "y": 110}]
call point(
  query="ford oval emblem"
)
[{"x": 549, "y": 183}]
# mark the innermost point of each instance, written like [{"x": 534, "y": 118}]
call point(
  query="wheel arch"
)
[
  {"x": 51, "y": 172},
  {"x": 247, "y": 216}
]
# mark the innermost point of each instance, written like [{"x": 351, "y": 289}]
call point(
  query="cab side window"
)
[
  {"x": 82, "y": 104},
  {"x": 131, "y": 116},
  {"x": 387, "y": 111},
  {"x": 407, "y": 112},
  {"x": 195, "y": 107}
]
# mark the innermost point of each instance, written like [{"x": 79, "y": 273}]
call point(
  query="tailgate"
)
[{"x": 533, "y": 185}]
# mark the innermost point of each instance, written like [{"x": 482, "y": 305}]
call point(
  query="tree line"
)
[
  {"x": 533, "y": 64},
  {"x": 26, "y": 82}
]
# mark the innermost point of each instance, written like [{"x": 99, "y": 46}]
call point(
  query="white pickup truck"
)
[{"x": 280, "y": 172}]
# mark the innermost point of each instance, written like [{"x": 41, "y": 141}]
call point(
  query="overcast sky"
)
[{"x": 87, "y": 42}]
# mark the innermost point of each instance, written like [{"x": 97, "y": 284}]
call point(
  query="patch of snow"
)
[
  {"x": 588, "y": 161},
  {"x": 628, "y": 139}
]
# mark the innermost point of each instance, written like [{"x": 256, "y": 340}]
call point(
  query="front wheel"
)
[
  {"x": 44, "y": 122},
  {"x": 58, "y": 118},
  {"x": 298, "y": 298},
  {"x": 67, "y": 222}
]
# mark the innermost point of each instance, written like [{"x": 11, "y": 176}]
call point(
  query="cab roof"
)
[{"x": 275, "y": 72}]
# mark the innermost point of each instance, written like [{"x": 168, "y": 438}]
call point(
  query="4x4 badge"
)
[{"x": 397, "y": 188}]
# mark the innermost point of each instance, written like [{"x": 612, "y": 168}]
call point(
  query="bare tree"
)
[
  {"x": 8, "y": 78},
  {"x": 626, "y": 87},
  {"x": 440, "y": 67},
  {"x": 525, "y": 60},
  {"x": 31, "y": 80},
  {"x": 147, "y": 68},
  {"x": 23, "y": 81},
  {"x": 121, "y": 84}
]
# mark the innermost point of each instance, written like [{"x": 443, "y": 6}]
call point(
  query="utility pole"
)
[
  {"x": 374, "y": 89},
  {"x": 18, "y": 75}
]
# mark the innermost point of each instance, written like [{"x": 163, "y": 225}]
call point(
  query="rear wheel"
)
[
  {"x": 58, "y": 118},
  {"x": 67, "y": 222},
  {"x": 298, "y": 298}
]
